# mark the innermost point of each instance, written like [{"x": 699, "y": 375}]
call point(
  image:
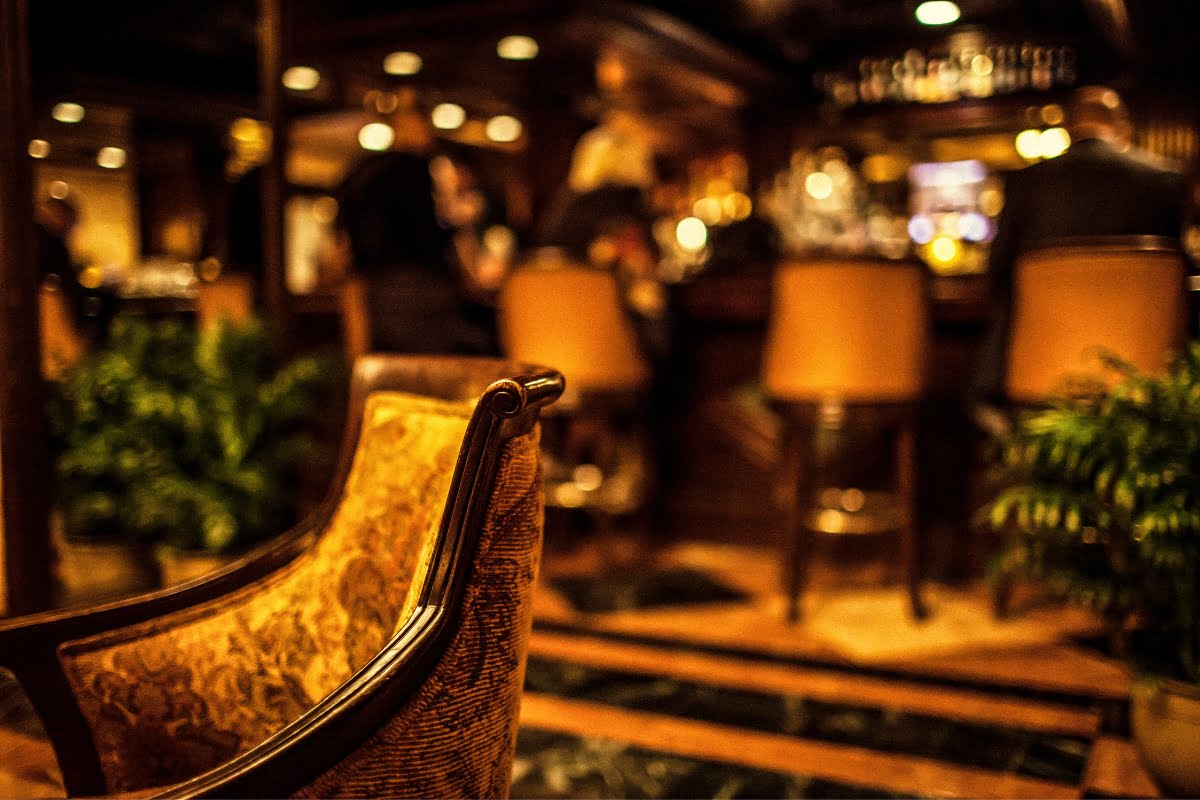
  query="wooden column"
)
[
  {"x": 25, "y": 474},
  {"x": 270, "y": 70}
]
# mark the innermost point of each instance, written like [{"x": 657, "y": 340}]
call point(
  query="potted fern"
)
[
  {"x": 186, "y": 443},
  {"x": 1102, "y": 504}
]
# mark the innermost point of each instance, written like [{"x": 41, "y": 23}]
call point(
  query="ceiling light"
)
[
  {"x": 937, "y": 12},
  {"x": 1029, "y": 144},
  {"x": 517, "y": 48},
  {"x": 301, "y": 79},
  {"x": 819, "y": 185},
  {"x": 503, "y": 128},
  {"x": 39, "y": 148},
  {"x": 691, "y": 234},
  {"x": 67, "y": 112},
  {"x": 376, "y": 136},
  {"x": 402, "y": 62},
  {"x": 448, "y": 116},
  {"x": 111, "y": 157},
  {"x": 1054, "y": 142}
]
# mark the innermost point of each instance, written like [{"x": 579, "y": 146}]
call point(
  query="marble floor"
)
[{"x": 670, "y": 672}]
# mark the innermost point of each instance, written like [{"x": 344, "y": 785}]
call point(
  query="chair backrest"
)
[
  {"x": 571, "y": 317},
  {"x": 847, "y": 330},
  {"x": 62, "y": 344},
  {"x": 1073, "y": 301},
  {"x": 386, "y": 659},
  {"x": 230, "y": 296}
]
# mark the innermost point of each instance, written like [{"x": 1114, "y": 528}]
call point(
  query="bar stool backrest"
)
[
  {"x": 1072, "y": 302},
  {"x": 848, "y": 330},
  {"x": 571, "y": 316}
]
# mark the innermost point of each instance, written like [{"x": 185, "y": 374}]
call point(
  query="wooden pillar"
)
[
  {"x": 270, "y": 70},
  {"x": 25, "y": 474}
]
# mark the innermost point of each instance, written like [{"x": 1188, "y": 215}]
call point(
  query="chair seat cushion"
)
[{"x": 28, "y": 767}]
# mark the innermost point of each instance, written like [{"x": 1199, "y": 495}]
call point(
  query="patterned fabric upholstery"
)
[
  {"x": 175, "y": 697},
  {"x": 455, "y": 737}
]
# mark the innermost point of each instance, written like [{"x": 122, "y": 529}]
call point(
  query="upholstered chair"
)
[
  {"x": 846, "y": 338},
  {"x": 377, "y": 650}
]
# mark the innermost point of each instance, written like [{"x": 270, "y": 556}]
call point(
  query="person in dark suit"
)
[
  {"x": 1098, "y": 187},
  {"x": 416, "y": 301}
]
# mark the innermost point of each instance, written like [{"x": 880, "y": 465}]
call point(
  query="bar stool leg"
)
[
  {"x": 796, "y": 541},
  {"x": 906, "y": 489}
]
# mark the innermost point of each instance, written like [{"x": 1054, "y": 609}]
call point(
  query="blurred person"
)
[
  {"x": 416, "y": 300},
  {"x": 1099, "y": 187},
  {"x": 91, "y": 306}
]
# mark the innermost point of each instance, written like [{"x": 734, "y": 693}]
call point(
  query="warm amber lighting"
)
[
  {"x": 402, "y": 62},
  {"x": 981, "y": 65},
  {"x": 692, "y": 234},
  {"x": 39, "y": 148},
  {"x": 91, "y": 277},
  {"x": 111, "y": 157},
  {"x": 324, "y": 209},
  {"x": 517, "y": 48},
  {"x": 448, "y": 116},
  {"x": 1029, "y": 144},
  {"x": 301, "y": 79},
  {"x": 708, "y": 210},
  {"x": 1052, "y": 114},
  {"x": 503, "y": 128},
  {"x": 1054, "y": 142},
  {"x": 937, "y": 12},
  {"x": 58, "y": 189},
  {"x": 67, "y": 112},
  {"x": 209, "y": 269},
  {"x": 376, "y": 136},
  {"x": 944, "y": 249},
  {"x": 818, "y": 185},
  {"x": 736, "y": 205}
]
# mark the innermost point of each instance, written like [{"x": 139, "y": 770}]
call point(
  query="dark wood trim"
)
[
  {"x": 24, "y": 455},
  {"x": 274, "y": 183}
]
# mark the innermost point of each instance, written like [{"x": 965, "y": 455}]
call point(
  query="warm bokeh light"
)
[
  {"x": 937, "y": 12},
  {"x": 736, "y": 205},
  {"x": 301, "y": 78},
  {"x": 58, "y": 189},
  {"x": 402, "y": 62},
  {"x": 708, "y": 210},
  {"x": 376, "y": 136},
  {"x": 981, "y": 65},
  {"x": 448, "y": 116},
  {"x": 1054, "y": 142},
  {"x": 692, "y": 234},
  {"x": 503, "y": 128},
  {"x": 67, "y": 112},
  {"x": 90, "y": 277},
  {"x": 944, "y": 249},
  {"x": 39, "y": 148},
  {"x": 1052, "y": 114},
  {"x": 819, "y": 185},
  {"x": 517, "y": 48},
  {"x": 1029, "y": 144},
  {"x": 111, "y": 157}
]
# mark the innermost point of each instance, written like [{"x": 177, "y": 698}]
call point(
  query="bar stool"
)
[
  {"x": 1078, "y": 298},
  {"x": 63, "y": 346},
  {"x": 553, "y": 311},
  {"x": 1071, "y": 301},
  {"x": 846, "y": 337}
]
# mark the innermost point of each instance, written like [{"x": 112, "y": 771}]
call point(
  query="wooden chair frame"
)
[{"x": 510, "y": 398}]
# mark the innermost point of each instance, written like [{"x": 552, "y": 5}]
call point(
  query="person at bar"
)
[{"x": 1099, "y": 187}]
